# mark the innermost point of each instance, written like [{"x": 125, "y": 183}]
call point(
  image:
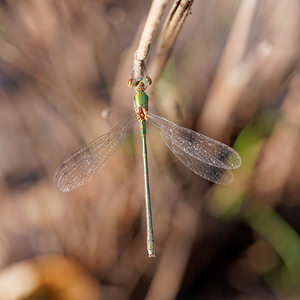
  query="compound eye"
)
[
  {"x": 130, "y": 83},
  {"x": 149, "y": 81}
]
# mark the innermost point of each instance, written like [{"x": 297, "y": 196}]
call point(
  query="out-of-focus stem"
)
[
  {"x": 223, "y": 94},
  {"x": 168, "y": 36}
]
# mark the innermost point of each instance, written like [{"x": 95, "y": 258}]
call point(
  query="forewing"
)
[
  {"x": 84, "y": 164},
  {"x": 196, "y": 145},
  {"x": 209, "y": 172}
]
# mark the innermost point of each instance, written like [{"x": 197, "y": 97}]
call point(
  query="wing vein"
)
[
  {"x": 85, "y": 163},
  {"x": 203, "y": 155}
]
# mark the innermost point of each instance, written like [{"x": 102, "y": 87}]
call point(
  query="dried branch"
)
[
  {"x": 166, "y": 41},
  {"x": 152, "y": 22}
]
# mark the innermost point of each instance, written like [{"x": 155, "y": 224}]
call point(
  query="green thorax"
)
[{"x": 140, "y": 99}]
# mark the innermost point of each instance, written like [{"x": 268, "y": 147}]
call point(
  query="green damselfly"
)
[{"x": 204, "y": 156}]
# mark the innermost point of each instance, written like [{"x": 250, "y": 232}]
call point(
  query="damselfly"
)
[{"x": 205, "y": 156}]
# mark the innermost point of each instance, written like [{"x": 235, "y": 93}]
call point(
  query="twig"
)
[
  {"x": 152, "y": 22},
  {"x": 166, "y": 41}
]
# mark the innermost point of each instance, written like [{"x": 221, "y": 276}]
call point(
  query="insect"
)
[{"x": 204, "y": 156}]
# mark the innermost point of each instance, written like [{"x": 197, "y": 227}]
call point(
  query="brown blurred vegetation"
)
[{"x": 233, "y": 75}]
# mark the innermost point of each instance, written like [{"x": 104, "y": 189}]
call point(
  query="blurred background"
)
[{"x": 233, "y": 75}]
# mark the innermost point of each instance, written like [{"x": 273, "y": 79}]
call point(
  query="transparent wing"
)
[
  {"x": 84, "y": 164},
  {"x": 211, "y": 173},
  {"x": 203, "y": 155}
]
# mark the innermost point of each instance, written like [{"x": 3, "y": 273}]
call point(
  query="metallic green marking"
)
[{"x": 141, "y": 100}]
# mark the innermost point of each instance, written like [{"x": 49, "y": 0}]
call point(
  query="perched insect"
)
[{"x": 205, "y": 156}]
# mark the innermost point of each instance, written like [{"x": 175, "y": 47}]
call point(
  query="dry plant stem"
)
[
  {"x": 269, "y": 183},
  {"x": 228, "y": 92},
  {"x": 235, "y": 73},
  {"x": 217, "y": 104},
  {"x": 170, "y": 31},
  {"x": 152, "y": 22}
]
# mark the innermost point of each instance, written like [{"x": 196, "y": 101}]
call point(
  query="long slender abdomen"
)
[{"x": 150, "y": 238}]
